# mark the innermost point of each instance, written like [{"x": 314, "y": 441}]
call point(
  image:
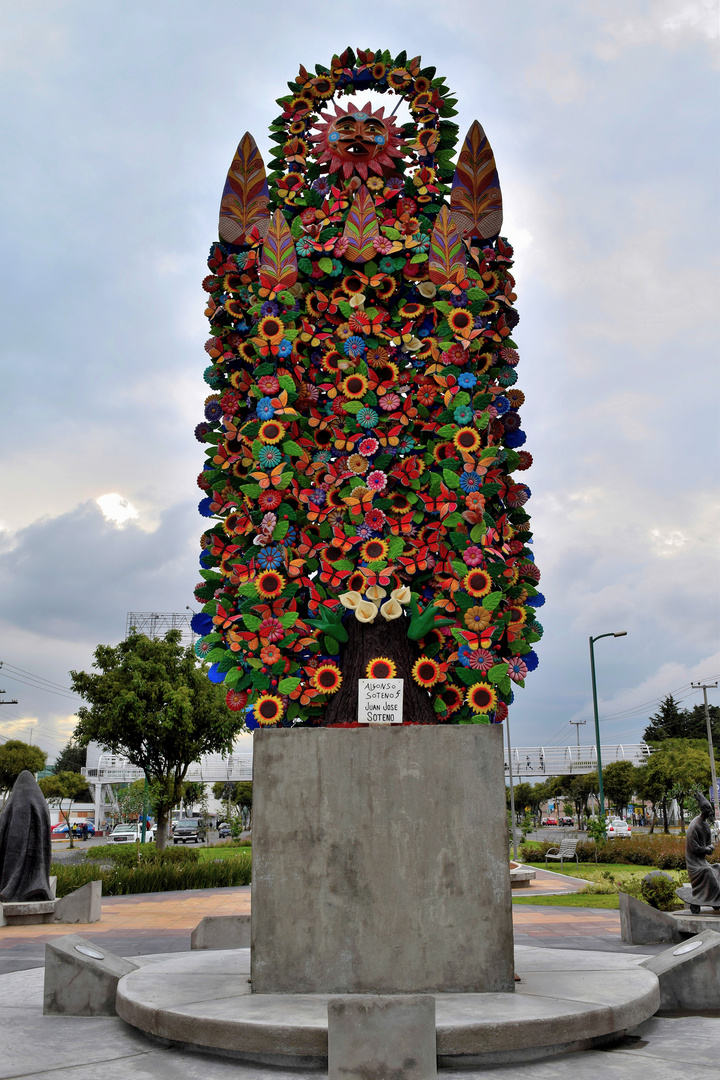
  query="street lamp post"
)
[
  {"x": 620, "y": 633},
  {"x": 705, "y": 687}
]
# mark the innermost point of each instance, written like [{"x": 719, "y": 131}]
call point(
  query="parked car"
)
[
  {"x": 189, "y": 830},
  {"x": 129, "y": 834},
  {"x": 224, "y": 830},
  {"x": 567, "y": 821},
  {"x": 61, "y": 828},
  {"x": 617, "y": 827},
  {"x": 549, "y": 821}
]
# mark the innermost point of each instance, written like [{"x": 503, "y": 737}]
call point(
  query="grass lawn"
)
[
  {"x": 592, "y": 900},
  {"x": 209, "y": 853},
  {"x": 591, "y": 870}
]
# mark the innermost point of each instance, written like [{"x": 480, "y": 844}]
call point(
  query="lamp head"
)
[{"x": 621, "y": 633}]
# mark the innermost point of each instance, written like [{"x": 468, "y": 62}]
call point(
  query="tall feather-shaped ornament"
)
[
  {"x": 475, "y": 199},
  {"x": 447, "y": 265},
  {"x": 278, "y": 268},
  {"x": 245, "y": 197},
  {"x": 361, "y": 228}
]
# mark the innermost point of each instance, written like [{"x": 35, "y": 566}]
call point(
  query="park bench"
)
[{"x": 567, "y": 850}]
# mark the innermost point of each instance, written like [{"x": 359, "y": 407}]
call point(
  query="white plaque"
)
[{"x": 380, "y": 701}]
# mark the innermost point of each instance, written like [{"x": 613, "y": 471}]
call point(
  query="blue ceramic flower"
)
[
  {"x": 270, "y": 558},
  {"x": 354, "y": 346}
]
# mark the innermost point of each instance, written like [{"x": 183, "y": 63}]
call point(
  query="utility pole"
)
[
  {"x": 512, "y": 788},
  {"x": 578, "y": 724},
  {"x": 619, "y": 633},
  {"x": 705, "y": 687}
]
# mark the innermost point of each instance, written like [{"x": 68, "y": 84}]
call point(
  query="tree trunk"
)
[
  {"x": 366, "y": 641},
  {"x": 161, "y": 828},
  {"x": 665, "y": 817}
]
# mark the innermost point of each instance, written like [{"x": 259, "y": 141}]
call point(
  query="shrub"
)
[
  {"x": 658, "y": 890},
  {"x": 128, "y": 854},
  {"x": 664, "y": 852},
  {"x": 162, "y": 875}
]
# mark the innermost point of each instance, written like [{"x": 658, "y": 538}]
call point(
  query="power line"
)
[
  {"x": 31, "y": 674},
  {"x": 685, "y": 691},
  {"x": 67, "y": 694}
]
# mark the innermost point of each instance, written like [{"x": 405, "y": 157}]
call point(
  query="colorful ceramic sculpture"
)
[{"x": 363, "y": 429}]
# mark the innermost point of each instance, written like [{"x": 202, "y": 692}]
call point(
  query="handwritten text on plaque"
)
[{"x": 380, "y": 701}]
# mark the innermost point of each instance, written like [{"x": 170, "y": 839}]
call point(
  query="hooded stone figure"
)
[
  {"x": 25, "y": 843},
  {"x": 704, "y": 876}
]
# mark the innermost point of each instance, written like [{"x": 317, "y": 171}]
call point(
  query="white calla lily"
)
[
  {"x": 365, "y": 612},
  {"x": 391, "y": 610},
  {"x": 376, "y": 592},
  {"x": 350, "y": 600},
  {"x": 402, "y": 594}
]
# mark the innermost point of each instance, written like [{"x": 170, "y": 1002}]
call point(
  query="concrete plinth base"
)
[
  {"x": 380, "y": 861},
  {"x": 81, "y": 978},
  {"x": 83, "y": 905},
  {"x": 689, "y": 974},
  {"x": 372, "y": 1037},
  {"x": 221, "y": 932},
  {"x": 203, "y": 1000},
  {"x": 27, "y": 912},
  {"x": 642, "y": 924},
  {"x": 687, "y": 923}
]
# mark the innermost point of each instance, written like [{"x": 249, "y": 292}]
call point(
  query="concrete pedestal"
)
[{"x": 380, "y": 861}]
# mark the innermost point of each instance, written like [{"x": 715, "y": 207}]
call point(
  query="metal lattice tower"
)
[{"x": 155, "y": 624}]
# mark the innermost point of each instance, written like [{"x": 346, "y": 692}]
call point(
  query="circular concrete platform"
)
[{"x": 202, "y": 1000}]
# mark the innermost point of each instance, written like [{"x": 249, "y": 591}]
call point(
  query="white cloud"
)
[
  {"x": 116, "y": 508},
  {"x": 670, "y": 23}
]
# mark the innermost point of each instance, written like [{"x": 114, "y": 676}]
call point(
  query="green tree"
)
[
  {"x": 536, "y": 796},
  {"x": 63, "y": 786},
  {"x": 71, "y": 758},
  {"x": 672, "y": 722},
  {"x": 522, "y": 799},
  {"x": 15, "y": 757},
  {"x": 238, "y": 793},
  {"x": 697, "y": 727},
  {"x": 675, "y": 767},
  {"x": 619, "y": 784},
  {"x": 193, "y": 792},
  {"x": 152, "y": 702},
  {"x": 137, "y": 798},
  {"x": 583, "y": 788}
]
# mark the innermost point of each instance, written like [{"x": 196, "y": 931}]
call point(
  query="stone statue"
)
[
  {"x": 25, "y": 843},
  {"x": 704, "y": 877}
]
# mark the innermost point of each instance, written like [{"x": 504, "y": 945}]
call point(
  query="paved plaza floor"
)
[{"x": 150, "y": 926}]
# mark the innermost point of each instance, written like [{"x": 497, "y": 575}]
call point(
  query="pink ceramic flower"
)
[
  {"x": 473, "y": 556},
  {"x": 376, "y": 480}
]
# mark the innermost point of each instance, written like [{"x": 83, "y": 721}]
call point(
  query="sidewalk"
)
[
  {"x": 129, "y": 926},
  {"x": 162, "y": 922}
]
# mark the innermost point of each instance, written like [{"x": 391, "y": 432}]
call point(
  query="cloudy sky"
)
[{"x": 120, "y": 120}]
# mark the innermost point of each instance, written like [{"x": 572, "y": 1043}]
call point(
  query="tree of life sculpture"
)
[{"x": 363, "y": 429}]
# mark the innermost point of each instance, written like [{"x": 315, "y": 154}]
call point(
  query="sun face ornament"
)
[{"x": 357, "y": 141}]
